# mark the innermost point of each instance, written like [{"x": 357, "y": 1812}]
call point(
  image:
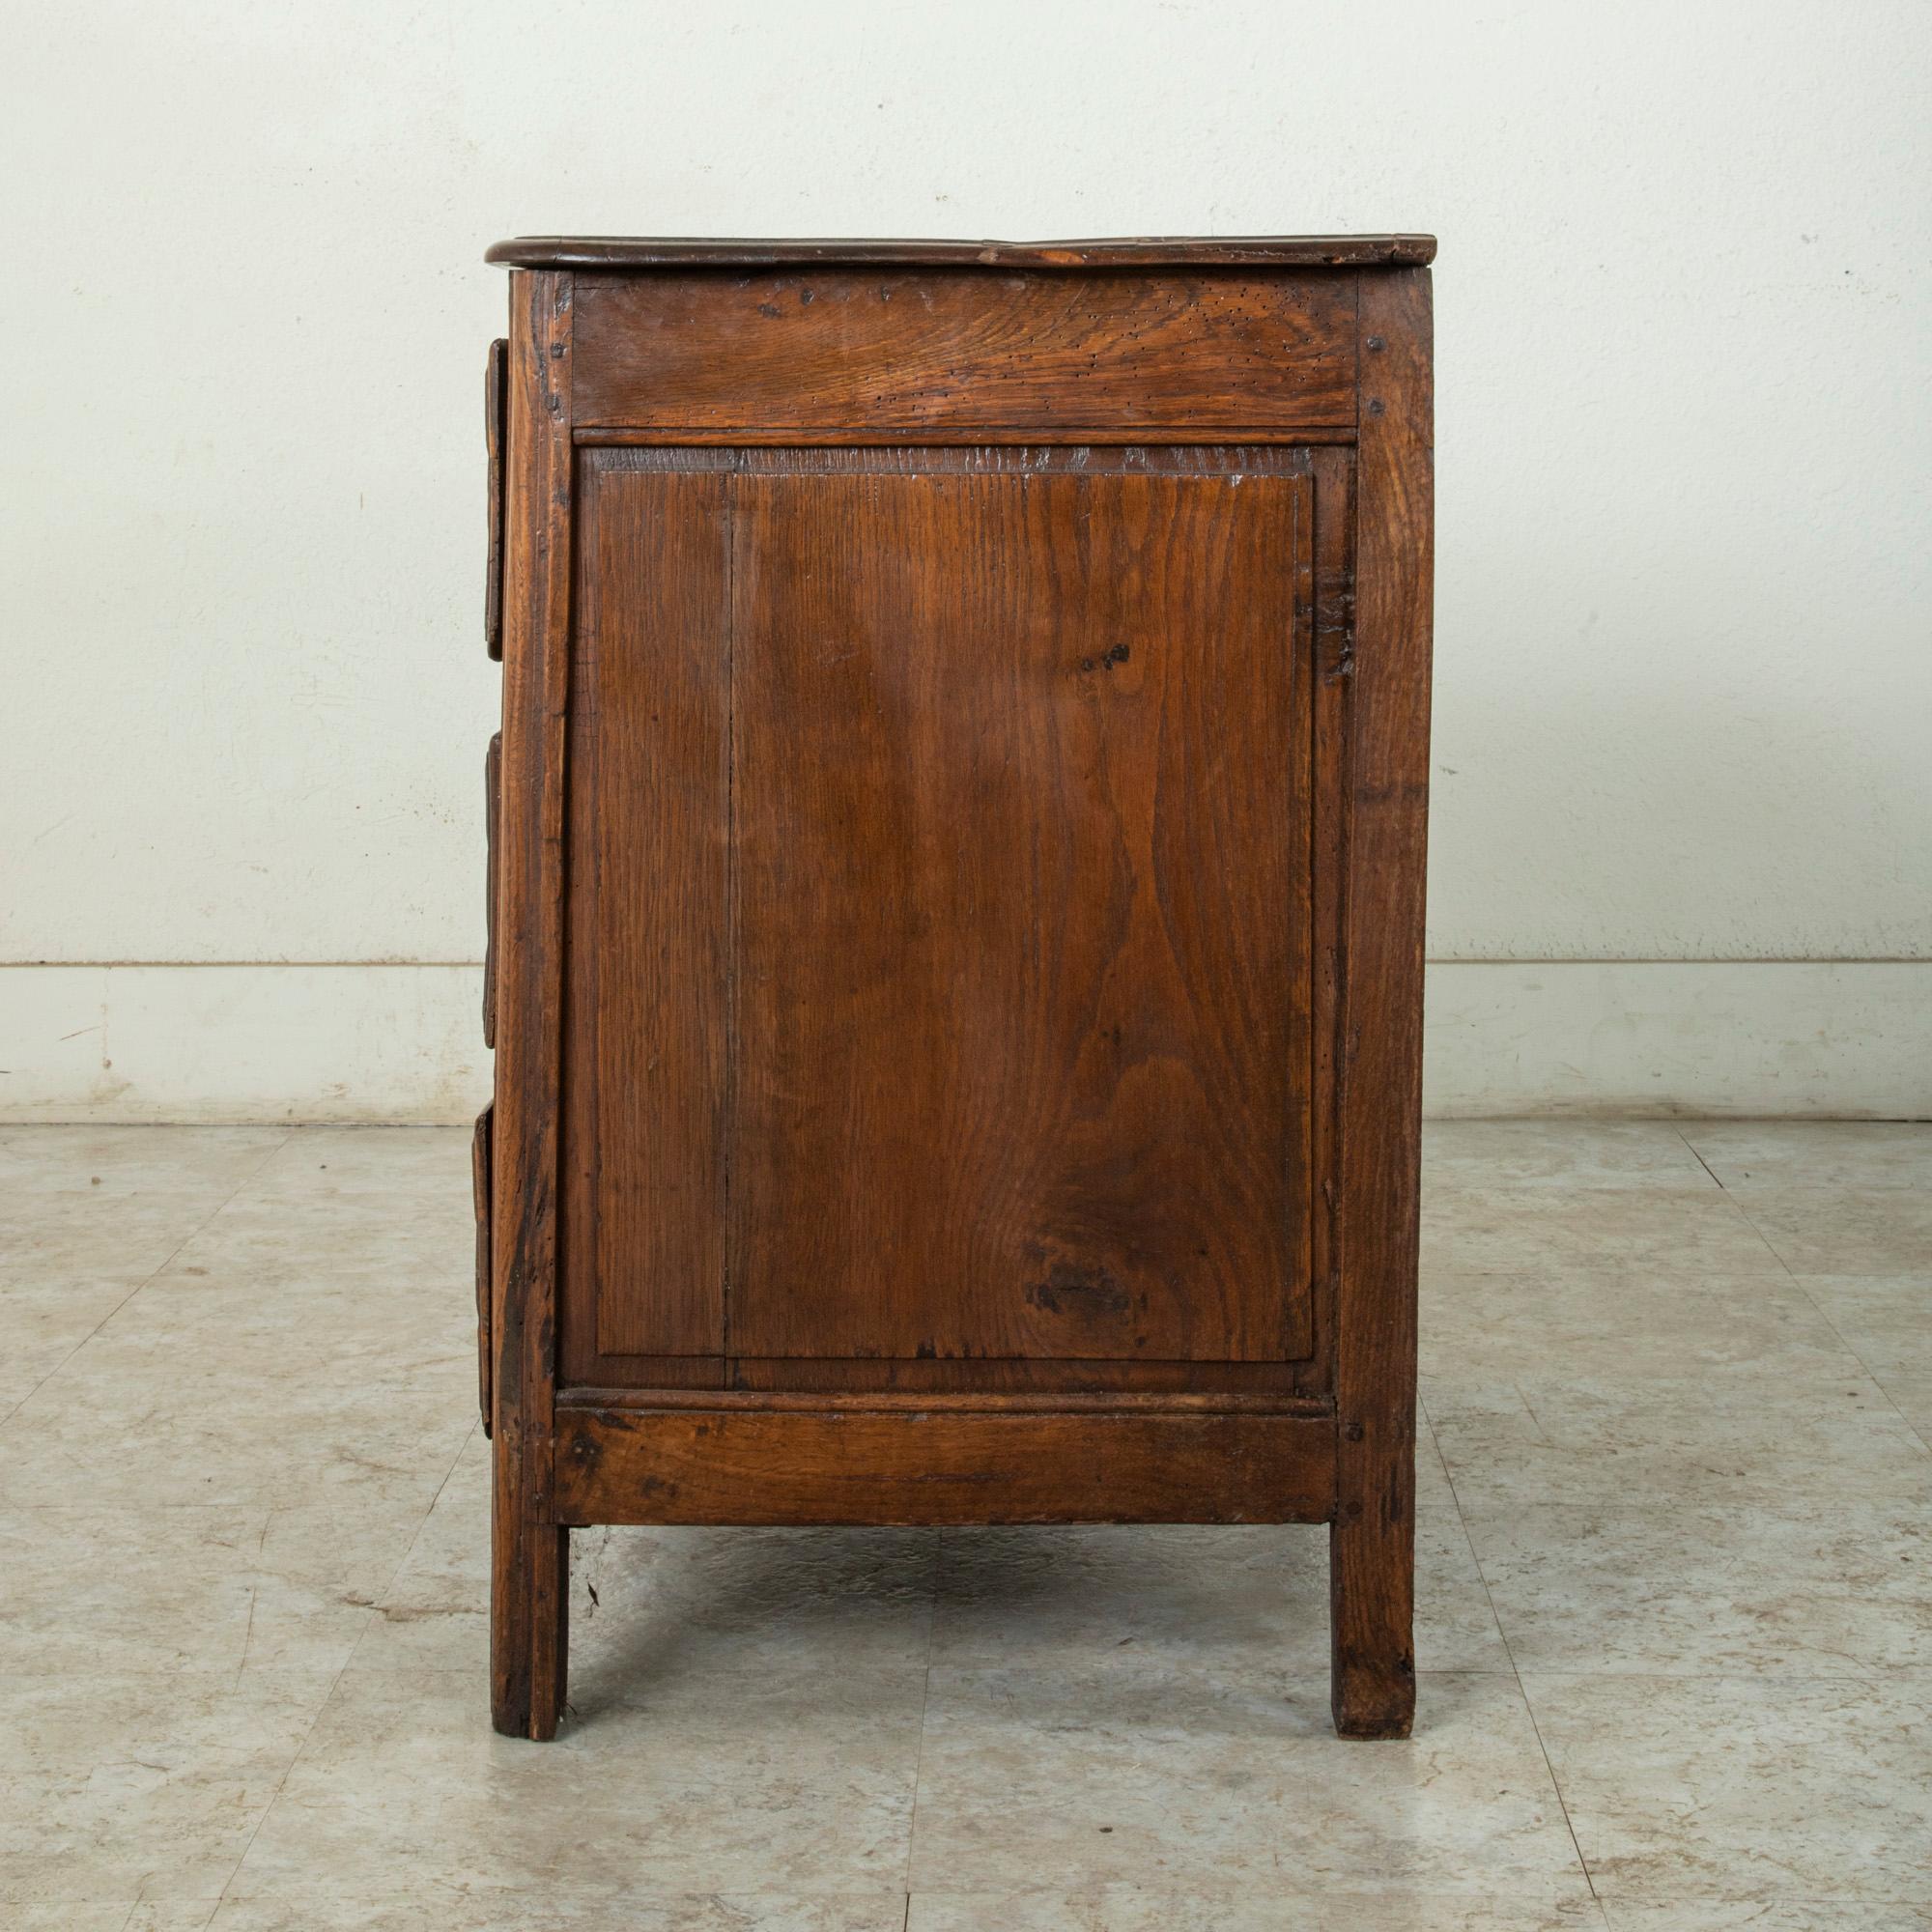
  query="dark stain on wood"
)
[{"x": 1069, "y": 1288}]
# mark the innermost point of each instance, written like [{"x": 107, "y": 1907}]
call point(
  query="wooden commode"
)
[{"x": 956, "y": 900}]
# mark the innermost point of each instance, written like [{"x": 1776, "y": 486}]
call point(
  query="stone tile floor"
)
[{"x": 1675, "y": 1619}]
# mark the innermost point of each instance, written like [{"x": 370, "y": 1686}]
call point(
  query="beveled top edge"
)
[{"x": 1184, "y": 251}]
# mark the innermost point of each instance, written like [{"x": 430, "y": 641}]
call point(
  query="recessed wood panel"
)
[
  {"x": 895, "y": 351},
  {"x": 645, "y": 1018},
  {"x": 1019, "y": 798},
  {"x": 941, "y": 929}
]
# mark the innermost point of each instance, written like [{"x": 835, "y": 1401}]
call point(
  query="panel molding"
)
[
  {"x": 1051, "y": 720},
  {"x": 651, "y": 667}
]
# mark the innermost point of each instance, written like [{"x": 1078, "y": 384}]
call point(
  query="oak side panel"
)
[
  {"x": 1020, "y": 796},
  {"x": 529, "y": 1561},
  {"x": 1372, "y": 1544},
  {"x": 896, "y": 349},
  {"x": 645, "y": 1049},
  {"x": 940, "y": 1465}
]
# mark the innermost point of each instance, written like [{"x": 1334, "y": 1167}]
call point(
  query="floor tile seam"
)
[
  {"x": 1872, "y": 1376},
  {"x": 1646, "y": 1898},
  {"x": 288, "y": 1770},
  {"x": 949, "y": 1675},
  {"x": 1452, "y": 1274},
  {"x": 1663, "y": 1505},
  {"x": 1924, "y": 1435},
  {"x": 167, "y": 1262},
  {"x": 213, "y": 1906},
  {"x": 1825, "y": 1314},
  {"x": 950, "y": 1679},
  {"x": 1740, "y": 1196},
  {"x": 1735, "y": 1203},
  {"x": 1748, "y": 1188},
  {"x": 1493, "y": 1499},
  {"x": 611, "y": 1895},
  {"x": 1697, "y": 1193},
  {"x": 323, "y": 1703},
  {"x": 1697, "y": 1157},
  {"x": 1522, "y": 1689},
  {"x": 1634, "y": 1396},
  {"x": 422, "y": 1523},
  {"x": 1350, "y": 1894},
  {"x": 925, "y": 1705},
  {"x": 1909, "y": 1677},
  {"x": 1911, "y": 1680}
]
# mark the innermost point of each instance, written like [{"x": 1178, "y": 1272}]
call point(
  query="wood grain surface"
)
[
  {"x": 480, "y": 1176},
  {"x": 826, "y": 351},
  {"x": 1167, "y": 251},
  {"x": 1019, "y": 1073},
  {"x": 529, "y": 1555},
  {"x": 957, "y": 892},
  {"x": 650, "y": 788},
  {"x": 942, "y": 1466},
  {"x": 1372, "y": 1561},
  {"x": 1011, "y": 1069},
  {"x": 493, "y": 812},
  {"x": 494, "y": 371}
]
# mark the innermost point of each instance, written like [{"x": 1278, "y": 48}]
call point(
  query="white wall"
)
[{"x": 1683, "y": 685}]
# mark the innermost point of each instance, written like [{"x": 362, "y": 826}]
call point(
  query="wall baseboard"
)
[
  {"x": 391, "y": 1043},
  {"x": 1846, "y": 1039},
  {"x": 243, "y": 1043}
]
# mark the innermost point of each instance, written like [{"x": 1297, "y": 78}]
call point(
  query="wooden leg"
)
[
  {"x": 1371, "y": 1609},
  {"x": 529, "y": 1608},
  {"x": 1372, "y": 1544}
]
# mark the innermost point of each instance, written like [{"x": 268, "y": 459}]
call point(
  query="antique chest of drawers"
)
[{"x": 956, "y": 900}]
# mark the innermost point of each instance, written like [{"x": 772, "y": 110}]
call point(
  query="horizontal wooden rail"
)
[
  {"x": 836, "y": 350},
  {"x": 931, "y": 1461}
]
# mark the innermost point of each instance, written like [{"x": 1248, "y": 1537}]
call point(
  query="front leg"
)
[
  {"x": 1371, "y": 1579},
  {"x": 529, "y": 1603}
]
